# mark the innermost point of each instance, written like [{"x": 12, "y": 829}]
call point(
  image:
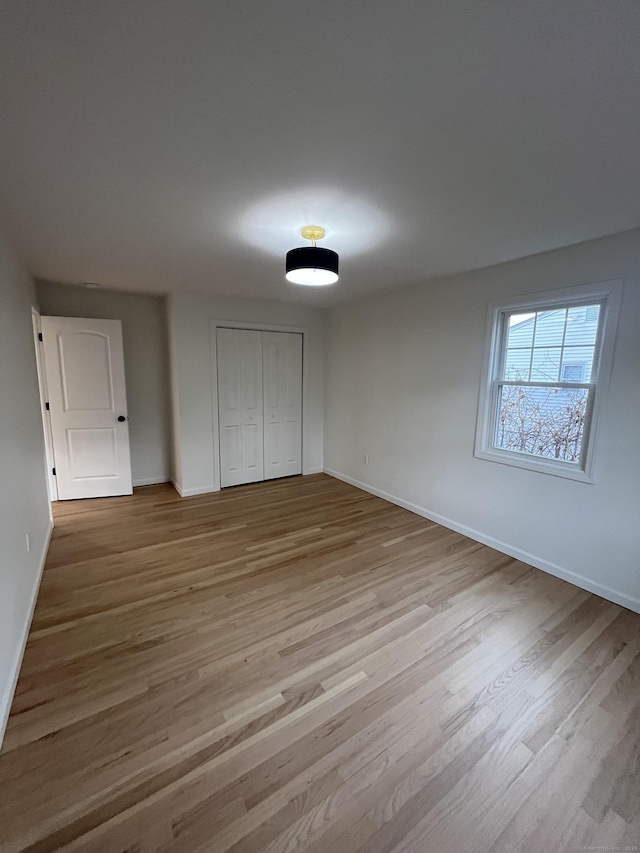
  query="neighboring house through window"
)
[
  {"x": 546, "y": 371},
  {"x": 573, "y": 372}
]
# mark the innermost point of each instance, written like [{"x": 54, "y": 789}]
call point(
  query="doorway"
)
[
  {"x": 52, "y": 487},
  {"x": 83, "y": 393}
]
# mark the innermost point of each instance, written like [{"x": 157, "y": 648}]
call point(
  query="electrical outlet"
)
[
  {"x": 28, "y": 538},
  {"x": 366, "y": 458}
]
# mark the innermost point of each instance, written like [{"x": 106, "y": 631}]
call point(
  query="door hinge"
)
[
  {"x": 46, "y": 405},
  {"x": 53, "y": 471},
  {"x": 39, "y": 336}
]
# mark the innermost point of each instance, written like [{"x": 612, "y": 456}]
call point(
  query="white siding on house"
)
[{"x": 561, "y": 337}]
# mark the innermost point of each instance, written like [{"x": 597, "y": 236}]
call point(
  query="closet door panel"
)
[
  {"x": 240, "y": 410},
  {"x": 282, "y": 367}
]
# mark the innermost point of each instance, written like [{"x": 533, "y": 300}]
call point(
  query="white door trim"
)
[
  {"x": 50, "y": 461},
  {"x": 258, "y": 327}
]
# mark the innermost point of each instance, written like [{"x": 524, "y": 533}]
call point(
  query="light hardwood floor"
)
[{"x": 298, "y": 665}]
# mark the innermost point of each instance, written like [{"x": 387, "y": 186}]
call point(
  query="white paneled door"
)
[
  {"x": 282, "y": 371},
  {"x": 84, "y": 363},
  {"x": 259, "y": 405},
  {"x": 240, "y": 406}
]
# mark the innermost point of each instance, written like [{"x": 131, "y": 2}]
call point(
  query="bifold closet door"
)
[
  {"x": 240, "y": 406},
  {"x": 282, "y": 382}
]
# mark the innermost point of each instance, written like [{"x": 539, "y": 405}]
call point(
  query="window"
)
[
  {"x": 545, "y": 377},
  {"x": 573, "y": 372}
]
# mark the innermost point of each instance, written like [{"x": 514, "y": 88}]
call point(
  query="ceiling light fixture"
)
[{"x": 310, "y": 265}]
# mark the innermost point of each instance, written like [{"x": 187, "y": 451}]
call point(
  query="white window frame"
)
[{"x": 608, "y": 295}]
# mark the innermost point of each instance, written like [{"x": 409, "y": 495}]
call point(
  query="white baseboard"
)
[
  {"x": 313, "y": 471},
  {"x": 150, "y": 481},
  {"x": 187, "y": 493},
  {"x": 524, "y": 556},
  {"x": 7, "y": 699}
]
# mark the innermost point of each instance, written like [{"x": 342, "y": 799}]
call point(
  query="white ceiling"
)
[{"x": 181, "y": 144}]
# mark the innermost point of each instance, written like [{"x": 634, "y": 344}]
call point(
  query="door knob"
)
[{"x": 121, "y": 418}]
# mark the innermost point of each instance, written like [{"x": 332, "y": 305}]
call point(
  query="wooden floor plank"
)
[{"x": 298, "y": 665}]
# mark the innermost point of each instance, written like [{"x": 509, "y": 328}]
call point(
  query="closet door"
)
[
  {"x": 282, "y": 369},
  {"x": 239, "y": 356}
]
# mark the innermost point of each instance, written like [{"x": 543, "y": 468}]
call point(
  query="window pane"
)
[
  {"x": 580, "y": 355},
  {"x": 520, "y": 330},
  {"x": 516, "y": 365},
  {"x": 573, "y": 372},
  {"x": 544, "y": 422},
  {"x": 582, "y": 325},
  {"x": 545, "y": 366},
  {"x": 550, "y": 328}
]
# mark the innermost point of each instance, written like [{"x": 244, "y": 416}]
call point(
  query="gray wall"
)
[
  {"x": 24, "y": 503},
  {"x": 403, "y": 377},
  {"x": 146, "y": 363}
]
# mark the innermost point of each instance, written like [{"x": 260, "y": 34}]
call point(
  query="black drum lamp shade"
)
[{"x": 310, "y": 265}]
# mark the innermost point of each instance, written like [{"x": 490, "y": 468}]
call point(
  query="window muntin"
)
[{"x": 538, "y": 343}]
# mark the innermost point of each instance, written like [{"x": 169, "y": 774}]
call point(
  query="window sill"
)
[{"x": 542, "y": 466}]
